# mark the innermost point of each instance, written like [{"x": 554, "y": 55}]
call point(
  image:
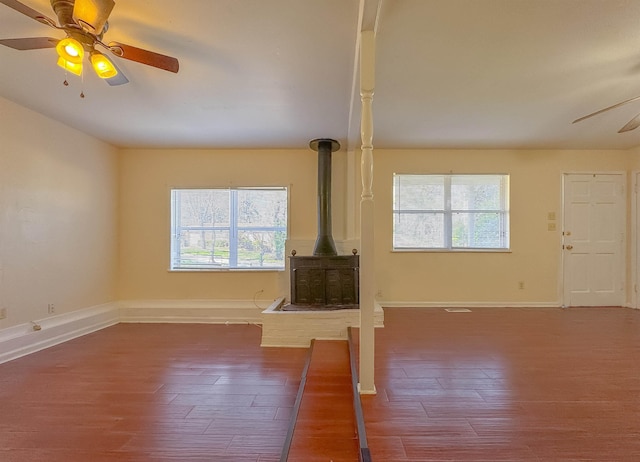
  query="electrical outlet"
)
[
  {"x": 51, "y": 308},
  {"x": 521, "y": 285},
  {"x": 3, "y": 313}
]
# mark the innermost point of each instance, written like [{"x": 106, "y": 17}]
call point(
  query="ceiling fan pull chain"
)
[
  {"x": 82, "y": 84},
  {"x": 65, "y": 82}
]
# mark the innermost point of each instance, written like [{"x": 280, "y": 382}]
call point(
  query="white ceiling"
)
[{"x": 275, "y": 74}]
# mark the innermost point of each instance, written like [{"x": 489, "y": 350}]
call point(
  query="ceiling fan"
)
[
  {"x": 84, "y": 23},
  {"x": 631, "y": 125}
]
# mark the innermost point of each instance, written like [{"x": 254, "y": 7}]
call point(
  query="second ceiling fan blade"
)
[
  {"x": 33, "y": 14},
  {"x": 631, "y": 125},
  {"x": 150, "y": 58},
  {"x": 119, "y": 79},
  {"x": 93, "y": 13},
  {"x": 630, "y": 100},
  {"x": 31, "y": 43}
]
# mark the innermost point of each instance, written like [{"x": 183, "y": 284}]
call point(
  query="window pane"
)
[
  {"x": 477, "y": 230},
  {"x": 203, "y": 249},
  {"x": 475, "y": 192},
  {"x": 228, "y": 228},
  {"x": 418, "y": 230},
  {"x": 203, "y": 207},
  {"x": 262, "y": 208},
  {"x": 451, "y": 211},
  {"x": 418, "y": 192},
  {"x": 260, "y": 249}
]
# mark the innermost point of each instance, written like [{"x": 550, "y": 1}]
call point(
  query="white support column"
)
[{"x": 367, "y": 275}]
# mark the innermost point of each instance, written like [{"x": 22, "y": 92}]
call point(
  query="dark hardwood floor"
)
[
  {"x": 326, "y": 426},
  {"x": 506, "y": 385},
  {"x": 150, "y": 392},
  {"x": 490, "y": 385}
]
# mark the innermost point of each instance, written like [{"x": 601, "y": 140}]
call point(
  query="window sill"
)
[
  {"x": 451, "y": 251},
  {"x": 226, "y": 270}
]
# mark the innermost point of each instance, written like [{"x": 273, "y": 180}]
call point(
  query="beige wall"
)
[
  {"x": 146, "y": 177},
  {"x": 71, "y": 216},
  {"x": 535, "y": 257},
  {"x": 58, "y": 216}
]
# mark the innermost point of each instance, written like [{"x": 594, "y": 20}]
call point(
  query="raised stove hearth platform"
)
[
  {"x": 296, "y": 328},
  {"x": 293, "y": 307}
]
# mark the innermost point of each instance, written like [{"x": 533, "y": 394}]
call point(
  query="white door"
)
[{"x": 594, "y": 239}]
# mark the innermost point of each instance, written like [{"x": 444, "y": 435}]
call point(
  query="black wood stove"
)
[{"x": 324, "y": 280}]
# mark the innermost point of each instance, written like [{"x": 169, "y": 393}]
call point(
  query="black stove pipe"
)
[{"x": 325, "y": 246}]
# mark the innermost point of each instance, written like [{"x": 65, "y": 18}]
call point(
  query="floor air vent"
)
[{"x": 457, "y": 310}]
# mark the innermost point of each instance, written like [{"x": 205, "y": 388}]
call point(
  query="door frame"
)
[
  {"x": 625, "y": 246},
  {"x": 634, "y": 248}
]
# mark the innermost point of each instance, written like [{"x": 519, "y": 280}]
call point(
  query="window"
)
[
  {"x": 228, "y": 228},
  {"x": 450, "y": 212}
]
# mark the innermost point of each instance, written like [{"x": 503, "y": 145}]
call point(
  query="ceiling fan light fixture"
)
[
  {"x": 74, "y": 68},
  {"x": 85, "y": 22},
  {"x": 102, "y": 65},
  {"x": 70, "y": 50}
]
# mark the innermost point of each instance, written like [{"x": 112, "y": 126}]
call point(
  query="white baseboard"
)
[
  {"x": 423, "y": 304},
  {"x": 292, "y": 330},
  {"x": 23, "y": 339},
  {"x": 193, "y": 311}
]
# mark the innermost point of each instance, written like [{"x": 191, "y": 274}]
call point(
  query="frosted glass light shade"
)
[
  {"x": 71, "y": 67},
  {"x": 70, "y": 50},
  {"x": 103, "y": 66}
]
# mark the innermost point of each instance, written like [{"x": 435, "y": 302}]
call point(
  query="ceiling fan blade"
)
[
  {"x": 33, "y": 14},
  {"x": 631, "y": 125},
  {"x": 149, "y": 58},
  {"x": 607, "y": 109},
  {"x": 31, "y": 43},
  {"x": 119, "y": 79},
  {"x": 93, "y": 13}
]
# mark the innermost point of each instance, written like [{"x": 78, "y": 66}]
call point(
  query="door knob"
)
[{"x": 569, "y": 247}]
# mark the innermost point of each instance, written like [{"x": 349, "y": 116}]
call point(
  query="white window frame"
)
[
  {"x": 233, "y": 229},
  {"x": 448, "y": 212}
]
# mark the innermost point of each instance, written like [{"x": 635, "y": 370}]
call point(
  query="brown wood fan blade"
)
[
  {"x": 630, "y": 100},
  {"x": 31, "y": 43},
  {"x": 631, "y": 125},
  {"x": 150, "y": 58},
  {"x": 24, "y": 9},
  {"x": 93, "y": 13}
]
